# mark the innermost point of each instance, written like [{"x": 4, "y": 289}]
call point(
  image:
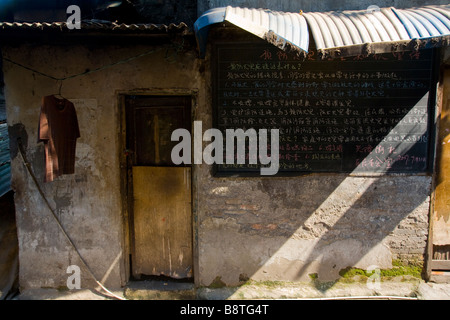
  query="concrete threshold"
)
[{"x": 160, "y": 290}]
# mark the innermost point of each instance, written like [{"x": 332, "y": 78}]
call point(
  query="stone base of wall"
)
[{"x": 289, "y": 228}]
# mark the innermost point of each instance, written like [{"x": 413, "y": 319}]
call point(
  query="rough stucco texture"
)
[
  {"x": 286, "y": 229},
  {"x": 260, "y": 228},
  {"x": 88, "y": 203}
]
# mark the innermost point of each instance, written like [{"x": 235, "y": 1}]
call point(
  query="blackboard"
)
[{"x": 362, "y": 114}]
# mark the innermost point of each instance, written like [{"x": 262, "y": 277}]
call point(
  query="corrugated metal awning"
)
[
  {"x": 283, "y": 29},
  {"x": 343, "y": 33},
  {"x": 379, "y": 30},
  {"x": 431, "y": 21},
  {"x": 338, "y": 29}
]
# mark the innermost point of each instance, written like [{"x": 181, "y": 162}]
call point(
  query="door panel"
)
[{"x": 162, "y": 219}]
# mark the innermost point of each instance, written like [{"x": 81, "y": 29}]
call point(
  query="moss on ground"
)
[
  {"x": 398, "y": 269},
  {"x": 404, "y": 271}
]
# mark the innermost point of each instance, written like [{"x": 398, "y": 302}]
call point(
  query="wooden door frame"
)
[
  {"x": 126, "y": 190},
  {"x": 442, "y": 104}
]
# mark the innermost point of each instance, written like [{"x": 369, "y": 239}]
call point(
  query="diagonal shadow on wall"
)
[
  {"x": 386, "y": 222},
  {"x": 318, "y": 224},
  {"x": 361, "y": 221}
]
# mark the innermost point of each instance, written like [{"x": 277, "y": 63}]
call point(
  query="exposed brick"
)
[
  {"x": 271, "y": 226},
  {"x": 233, "y": 201},
  {"x": 249, "y": 207},
  {"x": 257, "y": 226},
  {"x": 235, "y": 212}
]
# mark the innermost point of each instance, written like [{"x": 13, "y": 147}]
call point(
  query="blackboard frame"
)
[{"x": 431, "y": 122}]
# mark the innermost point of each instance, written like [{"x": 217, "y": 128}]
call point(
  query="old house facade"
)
[{"x": 362, "y": 156}]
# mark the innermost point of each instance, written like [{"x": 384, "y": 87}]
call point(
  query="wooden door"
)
[
  {"x": 161, "y": 191},
  {"x": 162, "y": 221}
]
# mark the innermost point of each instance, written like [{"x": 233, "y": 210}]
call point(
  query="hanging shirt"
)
[{"x": 58, "y": 129}]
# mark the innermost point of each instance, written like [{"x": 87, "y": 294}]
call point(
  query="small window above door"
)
[{"x": 150, "y": 123}]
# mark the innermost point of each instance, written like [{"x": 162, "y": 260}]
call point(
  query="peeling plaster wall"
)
[{"x": 88, "y": 203}]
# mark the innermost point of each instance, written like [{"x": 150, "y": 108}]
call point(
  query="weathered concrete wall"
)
[
  {"x": 260, "y": 228},
  {"x": 87, "y": 203},
  {"x": 312, "y": 6},
  {"x": 288, "y": 228}
]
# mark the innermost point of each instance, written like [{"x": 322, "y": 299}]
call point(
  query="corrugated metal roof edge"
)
[
  {"x": 384, "y": 47},
  {"x": 286, "y": 30},
  {"x": 295, "y": 40},
  {"x": 284, "y": 44},
  {"x": 94, "y": 25},
  {"x": 5, "y": 179}
]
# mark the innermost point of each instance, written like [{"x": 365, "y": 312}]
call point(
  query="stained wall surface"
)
[
  {"x": 89, "y": 202},
  {"x": 283, "y": 228}
]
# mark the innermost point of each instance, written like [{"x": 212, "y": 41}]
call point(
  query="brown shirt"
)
[{"x": 58, "y": 129}]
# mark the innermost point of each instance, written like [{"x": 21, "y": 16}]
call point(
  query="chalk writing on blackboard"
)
[{"x": 358, "y": 114}]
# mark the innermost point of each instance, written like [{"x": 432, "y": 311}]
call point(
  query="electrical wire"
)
[
  {"x": 85, "y": 72},
  {"x": 30, "y": 171},
  {"x": 177, "y": 47}
]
